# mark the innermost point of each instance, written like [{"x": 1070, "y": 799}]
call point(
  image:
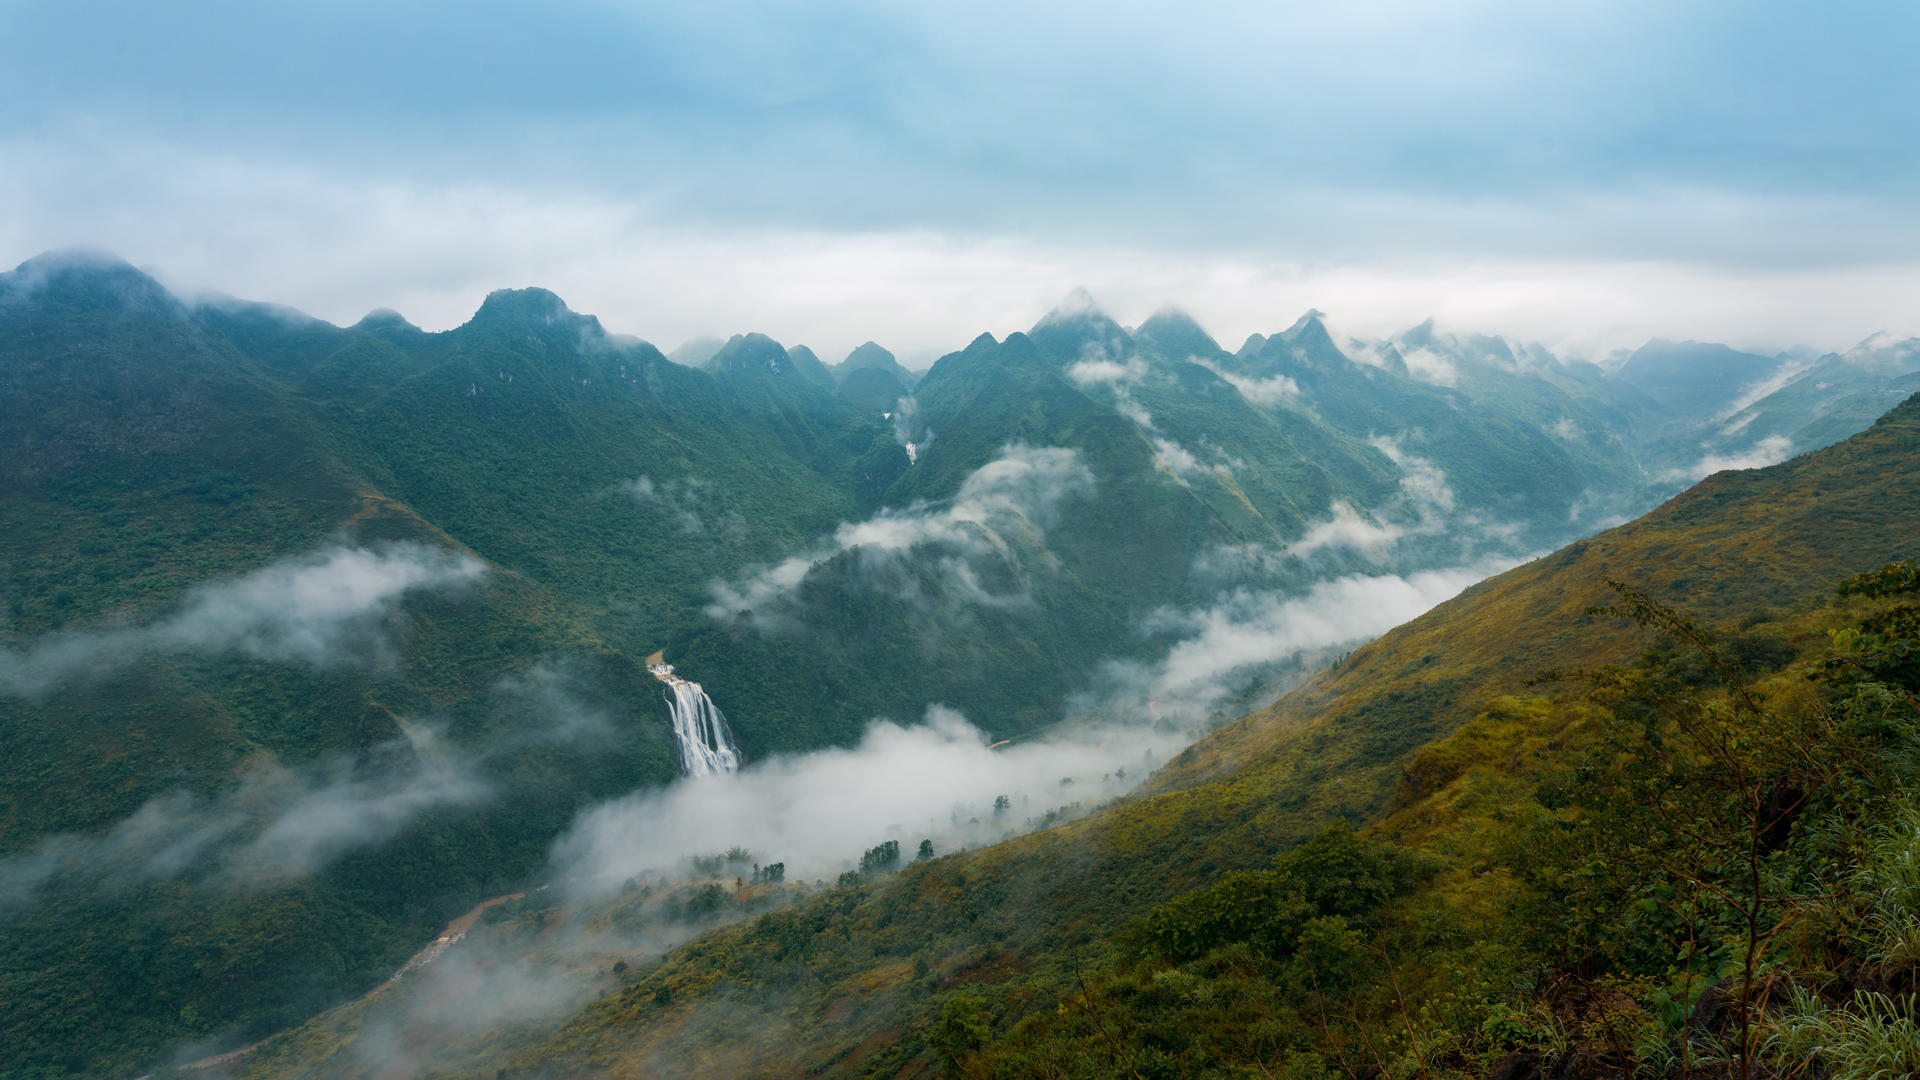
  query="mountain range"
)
[{"x": 316, "y": 635}]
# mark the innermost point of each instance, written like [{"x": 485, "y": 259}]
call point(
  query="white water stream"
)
[{"x": 699, "y": 727}]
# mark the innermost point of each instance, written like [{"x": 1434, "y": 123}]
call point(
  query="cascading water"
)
[{"x": 706, "y": 746}]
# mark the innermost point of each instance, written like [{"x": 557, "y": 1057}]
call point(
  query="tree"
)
[
  {"x": 880, "y": 858},
  {"x": 963, "y": 1028},
  {"x": 926, "y": 850},
  {"x": 1685, "y": 808}
]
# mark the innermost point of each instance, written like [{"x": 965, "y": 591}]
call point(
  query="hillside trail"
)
[{"x": 456, "y": 930}]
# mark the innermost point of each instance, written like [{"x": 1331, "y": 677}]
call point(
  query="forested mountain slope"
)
[
  {"x": 315, "y": 635},
  {"x": 1086, "y": 949}
]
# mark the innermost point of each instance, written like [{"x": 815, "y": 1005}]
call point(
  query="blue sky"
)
[{"x": 1588, "y": 174}]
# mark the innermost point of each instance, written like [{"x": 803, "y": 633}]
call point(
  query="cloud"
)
[
  {"x": 1771, "y": 450},
  {"x": 1565, "y": 428},
  {"x": 1367, "y": 353},
  {"x": 1174, "y": 458},
  {"x": 1424, "y": 491},
  {"x": 677, "y": 501},
  {"x": 276, "y": 822},
  {"x": 325, "y": 609},
  {"x": 817, "y": 812},
  {"x": 1423, "y": 482},
  {"x": 1096, "y": 371},
  {"x": 275, "y": 825},
  {"x": 1789, "y": 370},
  {"x": 1263, "y": 392},
  {"x": 937, "y": 779},
  {"x": 545, "y": 701},
  {"x": 1011, "y": 500},
  {"x": 1346, "y": 528},
  {"x": 625, "y": 868},
  {"x": 1237, "y": 643},
  {"x": 908, "y": 430},
  {"x": 1168, "y": 455},
  {"x": 1040, "y": 110},
  {"x": 338, "y": 242},
  {"x": 1429, "y": 366}
]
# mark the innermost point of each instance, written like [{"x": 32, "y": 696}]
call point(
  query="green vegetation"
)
[
  {"x": 1685, "y": 857},
  {"x": 151, "y": 450}
]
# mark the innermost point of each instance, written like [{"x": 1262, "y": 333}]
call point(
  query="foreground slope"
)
[{"x": 878, "y": 979}]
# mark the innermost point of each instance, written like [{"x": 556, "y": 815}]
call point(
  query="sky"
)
[{"x": 1583, "y": 174}]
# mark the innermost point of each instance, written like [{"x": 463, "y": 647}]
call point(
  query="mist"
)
[
  {"x": 1771, "y": 450},
  {"x": 1005, "y": 504},
  {"x": 276, "y": 824},
  {"x": 619, "y": 881},
  {"x": 817, "y": 812},
  {"x": 1260, "y": 641},
  {"x": 327, "y": 608}
]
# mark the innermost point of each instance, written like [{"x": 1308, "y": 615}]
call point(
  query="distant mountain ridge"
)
[{"x": 818, "y": 546}]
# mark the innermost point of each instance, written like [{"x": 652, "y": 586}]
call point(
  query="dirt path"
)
[{"x": 455, "y": 930}]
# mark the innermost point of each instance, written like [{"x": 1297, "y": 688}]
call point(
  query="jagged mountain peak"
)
[
  {"x": 1310, "y": 339},
  {"x": 1077, "y": 327},
  {"x": 1077, "y": 304},
  {"x": 1307, "y": 319},
  {"x": 1077, "y": 309},
  {"x": 1176, "y": 335},
  {"x": 1420, "y": 335}
]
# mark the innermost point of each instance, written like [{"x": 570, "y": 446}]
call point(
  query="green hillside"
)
[
  {"x": 316, "y": 635},
  {"x": 1501, "y": 899},
  {"x": 167, "y": 463}
]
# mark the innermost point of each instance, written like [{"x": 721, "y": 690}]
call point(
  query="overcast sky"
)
[{"x": 1585, "y": 174}]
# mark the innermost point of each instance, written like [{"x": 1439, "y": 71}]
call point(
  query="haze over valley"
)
[{"x": 859, "y": 541}]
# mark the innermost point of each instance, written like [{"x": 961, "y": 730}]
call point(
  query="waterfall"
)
[{"x": 706, "y": 746}]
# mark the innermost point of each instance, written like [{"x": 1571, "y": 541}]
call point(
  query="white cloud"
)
[
  {"x": 1565, "y": 428},
  {"x": 676, "y": 500},
  {"x": 1263, "y": 392},
  {"x": 1346, "y": 528},
  {"x": 1429, "y": 366},
  {"x": 323, "y": 609},
  {"x": 1771, "y": 450},
  {"x": 341, "y": 243},
  {"x": 275, "y": 825},
  {"x": 1236, "y": 644},
  {"x": 1168, "y": 455},
  {"x": 1789, "y": 370},
  {"x": 1097, "y": 371},
  {"x": 1012, "y": 498},
  {"x": 1423, "y": 482},
  {"x": 277, "y": 822},
  {"x": 817, "y": 812},
  {"x": 1174, "y": 458}
]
